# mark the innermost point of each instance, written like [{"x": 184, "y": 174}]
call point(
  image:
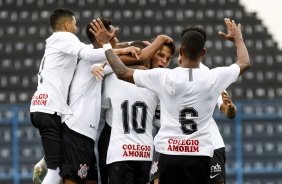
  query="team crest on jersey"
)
[
  {"x": 154, "y": 168},
  {"x": 82, "y": 172}
]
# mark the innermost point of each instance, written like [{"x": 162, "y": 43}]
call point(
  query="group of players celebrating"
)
[{"x": 158, "y": 121}]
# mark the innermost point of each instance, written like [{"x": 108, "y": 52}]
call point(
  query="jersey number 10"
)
[{"x": 134, "y": 111}]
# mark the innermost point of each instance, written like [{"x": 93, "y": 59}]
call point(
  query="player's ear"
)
[
  {"x": 203, "y": 52},
  {"x": 65, "y": 25},
  {"x": 180, "y": 51},
  {"x": 179, "y": 61}
]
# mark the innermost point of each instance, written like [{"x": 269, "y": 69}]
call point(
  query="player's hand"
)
[
  {"x": 234, "y": 31},
  {"x": 227, "y": 100},
  {"x": 39, "y": 172},
  {"x": 100, "y": 32},
  {"x": 135, "y": 51},
  {"x": 98, "y": 71},
  {"x": 166, "y": 38}
]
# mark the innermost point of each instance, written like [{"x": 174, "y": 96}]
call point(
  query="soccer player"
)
[
  {"x": 105, "y": 134},
  {"x": 218, "y": 174},
  {"x": 80, "y": 130},
  {"x": 49, "y": 103},
  {"x": 130, "y": 115},
  {"x": 188, "y": 95},
  {"x": 83, "y": 89},
  {"x": 131, "y": 93},
  {"x": 225, "y": 104}
]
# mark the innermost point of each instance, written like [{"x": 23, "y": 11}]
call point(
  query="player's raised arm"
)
[
  {"x": 103, "y": 37},
  {"x": 147, "y": 53},
  {"x": 234, "y": 34},
  {"x": 227, "y": 107},
  {"x": 133, "y": 51}
]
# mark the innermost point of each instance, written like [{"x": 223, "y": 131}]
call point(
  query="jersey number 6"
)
[{"x": 188, "y": 126}]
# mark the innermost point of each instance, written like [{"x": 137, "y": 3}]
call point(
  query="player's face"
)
[
  {"x": 114, "y": 39},
  {"x": 162, "y": 58},
  {"x": 71, "y": 25}
]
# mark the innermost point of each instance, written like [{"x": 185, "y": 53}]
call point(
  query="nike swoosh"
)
[{"x": 214, "y": 175}]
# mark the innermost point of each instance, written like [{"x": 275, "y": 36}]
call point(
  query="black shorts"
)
[
  {"x": 103, "y": 144},
  {"x": 184, "y": 169},
  {"x": 218, "y": 174},
  {"x": 50, "y": 129},
  {"x": 155, "y": 172},
  {"x": 128, "y": 172},
  {"x": 79, "y": 161}
]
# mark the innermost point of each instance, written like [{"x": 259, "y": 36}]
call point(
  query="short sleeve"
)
[
  {"x": 66, "y": 42},
  {"x": 225, "y": 76},
  {"x": 153, "y": 79}
]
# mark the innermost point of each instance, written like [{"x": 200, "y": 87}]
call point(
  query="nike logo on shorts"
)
[{"x": 213, "y": 175}]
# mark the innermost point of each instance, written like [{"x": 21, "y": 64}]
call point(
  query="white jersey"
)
[
  {"x": 55, "y": 74},
  {"x": 216, "y": 136},
  {"x": 132, "y": 110},
  {"x": 85, "y": 99},
  {"x": 188, "y": 98}
]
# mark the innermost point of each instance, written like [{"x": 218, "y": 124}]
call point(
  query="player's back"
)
[
  {"x": 132, "y": 114},
  {"x": 188, "y": 99}
]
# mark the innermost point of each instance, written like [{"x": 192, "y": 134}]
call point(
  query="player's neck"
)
[
  {"x": 190, "y": 64},
  {"x": 96, "y": 45}
]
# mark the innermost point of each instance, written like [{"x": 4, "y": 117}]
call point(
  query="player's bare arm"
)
[
  {"x": 103, "y": 37},
  {"x": 134, "y": 51},
  {"x": 235, "y": 35},
  {"x": 121, "y": 71},
  {"x": 121, "y": 45},
  {"x": 99, "y": 73},
  {"x": 147, "y": 53},
  {"x": 227, "y": 107}
]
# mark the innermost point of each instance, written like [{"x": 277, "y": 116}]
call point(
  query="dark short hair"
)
[
  {"x": 192, "y": 44},
  {"x": 170, "y": 45},
  {"x": 198, "y": 29},
  {"x": 107, "y": 22},
  {"x": 140, "y": 44},
  {"x": 58, "y": 14}
]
